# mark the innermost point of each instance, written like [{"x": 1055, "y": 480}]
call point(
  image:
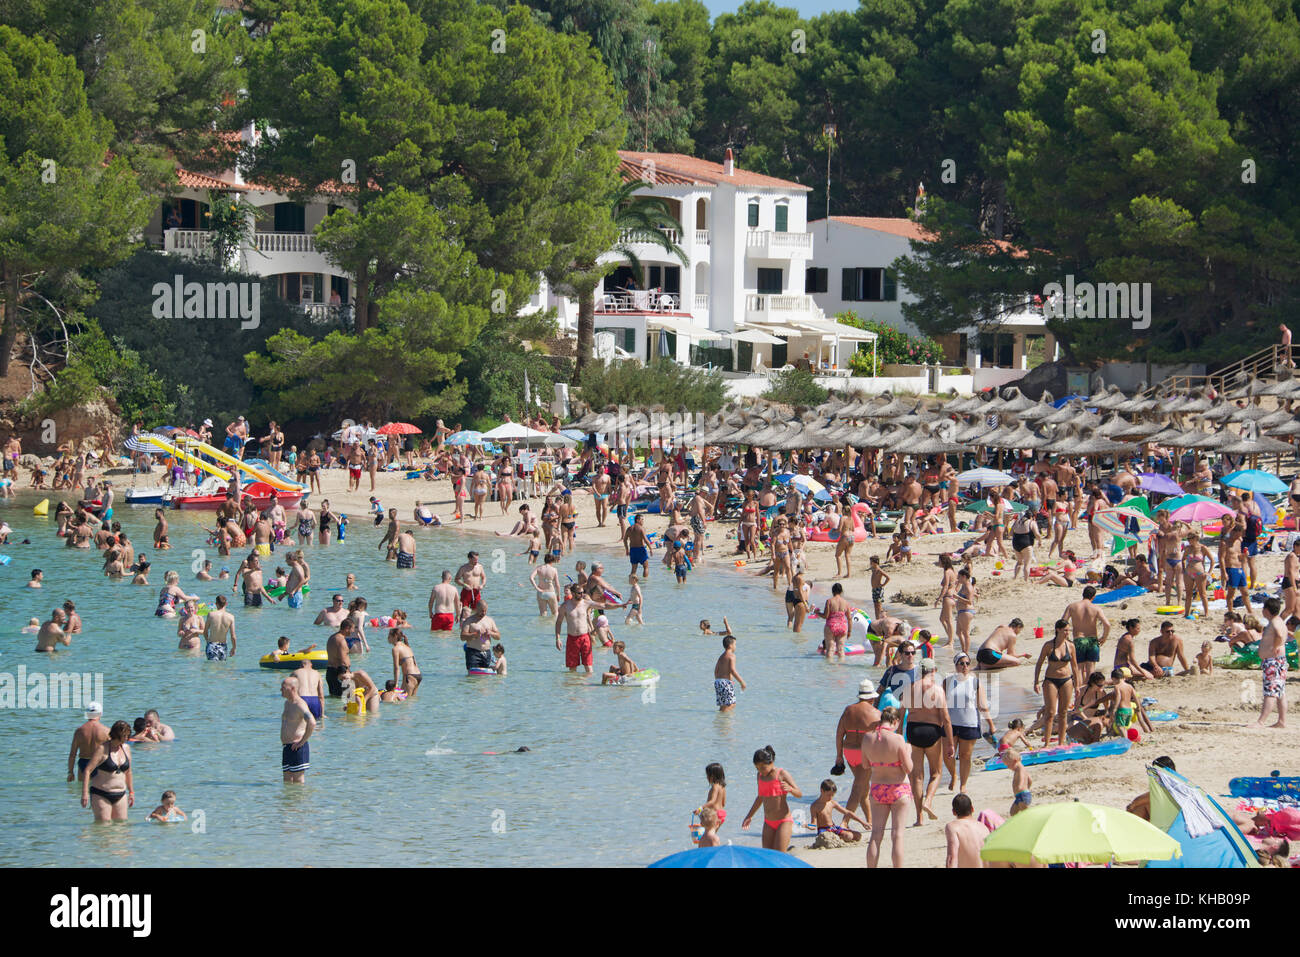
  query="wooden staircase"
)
[{"x": 1264, "y": 364}]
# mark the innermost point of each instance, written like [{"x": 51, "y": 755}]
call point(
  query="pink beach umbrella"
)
[{"x": 1200, "y": 512}]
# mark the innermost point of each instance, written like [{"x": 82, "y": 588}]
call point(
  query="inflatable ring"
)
[
  {"x": 1169, "y": 610},
  {"x": 292, "y": 661}
]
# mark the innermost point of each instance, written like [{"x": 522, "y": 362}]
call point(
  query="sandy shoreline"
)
[{"x": 1210, "y": 742}]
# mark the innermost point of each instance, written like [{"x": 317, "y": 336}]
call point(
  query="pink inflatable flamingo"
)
[{"x": 815, "y": 533}]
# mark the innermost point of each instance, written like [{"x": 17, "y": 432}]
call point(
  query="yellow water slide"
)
[
  {"x": 231, "y": 462},
  {"x": 198, "y": 463}
]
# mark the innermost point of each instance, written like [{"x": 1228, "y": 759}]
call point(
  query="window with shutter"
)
[
  {"x": 849, "y": 285},
  {"x": 753, "y": 215},
  {"x": 890, "y": 292},
  {"x": 782, "y": 218}
]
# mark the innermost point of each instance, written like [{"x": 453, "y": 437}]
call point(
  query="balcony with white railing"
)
[
  {"x": 769, "y": 244},
  {"x": 629, "y": 237},
  {"x": 701, "y": 237},
  {"x": 187, "y": 242},
  {"x": 284, "y": 242},
  {"x": 761, "y": 307}
]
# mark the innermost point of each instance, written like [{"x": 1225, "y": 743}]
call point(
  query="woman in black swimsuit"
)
[
  {"x": 325, "y": 518},
  {"x": 1058, "y": 685},
  {"x": 108, "y": 780}
]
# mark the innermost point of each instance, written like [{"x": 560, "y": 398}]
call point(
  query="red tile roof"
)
[
  {"x": 909, "y": 229},
  {"x": 203, "y": 181},
  {"x": 678, "y": 169},
  {"x": 894, "y": 225}
]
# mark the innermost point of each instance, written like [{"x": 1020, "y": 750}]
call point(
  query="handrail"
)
[{"x": 1263, "y": 364}]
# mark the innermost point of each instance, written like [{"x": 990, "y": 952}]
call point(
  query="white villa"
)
[
  {"x": 281, "y": 245},
  {"x": 851, "y": 272},
  {"x": 740, "y": 300}
]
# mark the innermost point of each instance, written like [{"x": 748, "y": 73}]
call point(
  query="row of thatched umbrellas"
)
[{"x": 1118, "y": 425}]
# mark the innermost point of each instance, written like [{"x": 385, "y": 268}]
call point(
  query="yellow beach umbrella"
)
[{"x": 1092, "y": 833}]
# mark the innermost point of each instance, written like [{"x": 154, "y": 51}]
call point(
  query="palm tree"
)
[{"x": 641, "y": 219}]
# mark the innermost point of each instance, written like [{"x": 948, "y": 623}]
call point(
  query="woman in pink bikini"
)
[
  {"x": 855, "y": 723},
  {"x": 890, "y": 758},
  {"x": 836, "y": 629},
  {"x": 773, "y": 785}
]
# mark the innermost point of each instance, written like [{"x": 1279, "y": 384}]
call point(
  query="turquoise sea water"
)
[{"x": 611, "y": 779}]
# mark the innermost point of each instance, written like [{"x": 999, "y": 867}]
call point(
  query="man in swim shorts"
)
[
  {"x": 296, "y": 726},
  {"x": 86, "y": 738},
  {"x": 337, "y": 659},
  {"x": 310, "y": 689},
  {"x": 219, "y": 631},
  {"x": 999, "y": 648},
  {"x": 1163, "y": 650},
  {"x": 1091, "y": 630},
  {"x": 405, "y": 549},
  {"x": 574, "y": 615},
  {"x": 724, "y": 673},
  {"x": 638, "y": 546},
  {"x": 471, "y": 577},
  {"x": 1272, "y": 658},
  {"x": 444, "y": 605}
]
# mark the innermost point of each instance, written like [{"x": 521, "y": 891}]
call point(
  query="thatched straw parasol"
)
[{"x": 1260, "y": 446}]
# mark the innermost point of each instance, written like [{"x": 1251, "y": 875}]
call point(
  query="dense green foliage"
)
[
  {"x": 662, "y": 382},
  {"x": 98, "y": 365},
  {"x": 795, "y": 387},
  {"x": 200, "y": 365}
]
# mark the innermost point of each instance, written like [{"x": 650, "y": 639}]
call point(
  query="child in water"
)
[
  {"x": 1020, "y": 781},
  {"x": 499, "y": 654},
  {"x": 343, "y": 527},
  {"x": 167, "y": 812},
  {"x": 878, "y": 582},
  {"x": 825, "y": 806},
  {"x": 634, "y": 600},
  {"x": 602, "y": 631},
  {"x": 717, "y": 799},
  {"x": 626, "y": 666},
  {"x": 680, "y": 562}
]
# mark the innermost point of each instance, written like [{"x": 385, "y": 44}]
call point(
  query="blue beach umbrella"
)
[
  {"x": 467, "y": 437},
  {"x": 1255, "y": 480},
  {"x": 730, "y": 855}
]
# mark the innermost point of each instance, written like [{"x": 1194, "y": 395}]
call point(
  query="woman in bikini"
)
[
  {"x": 773, "y": 785},
  {"x": 482, "y": 487},
  {"x": 966, "y": 595},
  {"x": 929, "y": 484},
  {"x": 1089, "y": 719},
  {"x": 1060, "y": 526},
  {"x": 1197, "y": 562},
  {"x": 836, "y": 629},
  {"x": 796, "y": 603},
  {"x": 357, "y": 615},
  {"x": 947, "y": 601},
  {"x": 505, "y": 483},
  {"x": 313, "y": 471},
  {"x": 993, "y": 537},
  {"x": 1057, "y": 686},
  {"x": 405, "y": 671},
  {"x": 855, "y": 723},
  {"x": 929, "y": 732},
  {"x": 749, "y": 526},
  {"x": 1168, "y": 559},
  {"x": 108, "y": 781},
  {"x": 889, "y": 758},
  {"x": 1096, "y": 502}
]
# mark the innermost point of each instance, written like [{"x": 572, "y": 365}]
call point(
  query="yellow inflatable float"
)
[
  {"x": 291, "y": 662},
  {"x": 42, "y": 507}
]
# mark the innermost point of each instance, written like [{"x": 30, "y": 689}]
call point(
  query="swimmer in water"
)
[
  {"x": 350, "y": 583},
  {"x": 167, "y": 812},
  {"x": 190, "y": 627},
  {"x": 499, "y": 652},
  {"x": 635, "y": 601},
  {"x": 601, "y": 632},
  {"x": 205, "y": 573},
  {"x": 33, "y": 626}
]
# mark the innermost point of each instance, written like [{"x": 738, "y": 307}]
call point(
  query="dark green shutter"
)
[
  {"x": 782, "y": 218},
  {"x": 753, "y": 215},
  {"x": 849, "y": 285},
  {"x": 890, "y": 291}
]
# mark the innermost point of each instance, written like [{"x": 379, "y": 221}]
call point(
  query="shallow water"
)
[{"x": 611, "y": 779}]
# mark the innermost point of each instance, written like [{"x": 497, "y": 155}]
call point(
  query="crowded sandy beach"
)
[{"x": 939, "y": 630}]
